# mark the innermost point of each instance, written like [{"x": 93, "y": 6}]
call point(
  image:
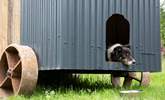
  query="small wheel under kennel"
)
[{"x": 143, "y": 78}]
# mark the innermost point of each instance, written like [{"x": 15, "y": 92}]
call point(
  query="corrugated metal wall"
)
[{"x": 70, "y": 34}]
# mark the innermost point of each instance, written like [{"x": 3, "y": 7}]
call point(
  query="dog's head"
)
[{"x": 121, "y": 53}]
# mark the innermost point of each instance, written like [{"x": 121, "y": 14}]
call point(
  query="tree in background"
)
[{"x": 162, "y": 22}]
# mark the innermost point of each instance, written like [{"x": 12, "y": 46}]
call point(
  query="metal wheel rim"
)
[{"x": 19, "y": 70}]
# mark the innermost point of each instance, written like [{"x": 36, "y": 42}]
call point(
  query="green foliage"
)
[
  {"x": 98, "y": 87},
  {"x": 162, "y": 25}
]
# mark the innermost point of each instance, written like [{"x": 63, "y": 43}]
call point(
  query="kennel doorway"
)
[{"x": 117, "y": 31}]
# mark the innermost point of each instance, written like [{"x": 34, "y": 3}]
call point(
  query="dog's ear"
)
[{"x": 127, "y": 46}]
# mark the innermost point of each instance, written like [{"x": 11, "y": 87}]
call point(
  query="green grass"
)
[{"x": 97, "y": 87}]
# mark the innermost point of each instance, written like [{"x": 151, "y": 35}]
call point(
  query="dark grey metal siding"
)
[{"x": 70, "y": 34}]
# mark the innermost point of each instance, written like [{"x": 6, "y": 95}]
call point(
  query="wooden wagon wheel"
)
[
  {"x": 142, "y": 77},
  {"x": 18, "y": 70}
]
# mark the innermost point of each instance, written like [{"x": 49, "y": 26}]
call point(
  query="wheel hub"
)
[{"x": 9, "y": 73}]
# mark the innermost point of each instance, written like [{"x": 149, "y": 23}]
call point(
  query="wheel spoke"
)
[
  {"x": 17, "y": 71},
  {"x": 3, "y": 67},
  {"x": 16, "y": 84},
  {"x": 115, "y": 81},
  {"x": 16, "y": 77},
  {"x": 12, "y": 58},
  {"x": 6, "y": 83},
  {"x": 127, "y": 82},
  {"x": 17, "y": 66},
  {"x": 136, "y": 78}
]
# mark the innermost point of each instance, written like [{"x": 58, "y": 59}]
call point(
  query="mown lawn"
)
[{"x": 97, "y": 87}]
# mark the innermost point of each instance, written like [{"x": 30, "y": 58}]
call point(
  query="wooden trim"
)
[
  {"x": 9, "y": 23},
  {"x": 14, "y": 21},
  {"x": 3, "y": 24}
]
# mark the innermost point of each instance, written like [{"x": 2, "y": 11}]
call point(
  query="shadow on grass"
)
[
  {"x": 67, "y": 81},
  {"x": 64, "y": 83}
]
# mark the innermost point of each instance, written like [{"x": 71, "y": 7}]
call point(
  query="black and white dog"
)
[{"x": 120, "y": 53}]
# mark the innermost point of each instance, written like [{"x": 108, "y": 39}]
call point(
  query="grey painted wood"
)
[{"x": 70, "y": 34}]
